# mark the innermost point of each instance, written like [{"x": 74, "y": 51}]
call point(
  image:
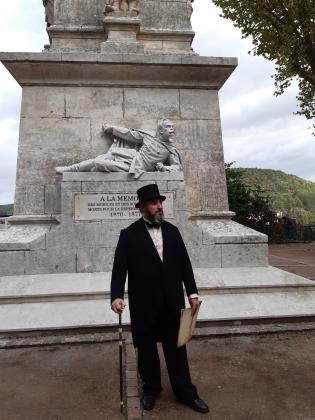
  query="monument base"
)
[
  {"x": 95, "y": 206},
  {"x": 56, "y": 269}
]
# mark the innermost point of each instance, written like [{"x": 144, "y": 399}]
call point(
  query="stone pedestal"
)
[
  {"x": 96, "y": 206},
  {"x": 164, "y": 26},
  {"x": 122, "y": 35}
]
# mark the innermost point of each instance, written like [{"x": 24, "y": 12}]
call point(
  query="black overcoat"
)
[{"x": 153, "y": 284}]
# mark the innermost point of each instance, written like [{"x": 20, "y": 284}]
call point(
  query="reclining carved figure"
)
[{"x": 134, "y": 151}]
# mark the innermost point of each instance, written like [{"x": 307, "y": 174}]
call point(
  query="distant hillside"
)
[
  {"x": 292, "y": 195},
  {"x": 6, "y": 209}
]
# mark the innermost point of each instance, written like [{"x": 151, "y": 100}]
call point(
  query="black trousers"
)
[{"x": 166, "y": 331}]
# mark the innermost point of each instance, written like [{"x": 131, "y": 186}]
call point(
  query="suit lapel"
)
[
  {"x": 166, "y": 241},
  {"x": 147, "y": 240}
]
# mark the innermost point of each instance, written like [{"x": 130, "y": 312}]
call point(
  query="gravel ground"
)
[
  {"x": 60, "y": 383},
  {"x": 256, "y": 377},
  {"x": 264, "y": 377}
]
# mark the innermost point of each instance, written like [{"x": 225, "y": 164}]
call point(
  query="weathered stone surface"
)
[
  {"x": 23, "y": 237},
  {"x": 227, "y": 231},
  {"x": 67, "y": 191},
  {"x": 205, "y": 255},
  {"x": 165, "y": 15},
  {"x": 45, "y": 102},
  {"x": 180, "y": 196},
  {"x": 200, "y": 145},
  {"x": 86, "y": 16},
  {"x": 45, "y": 143},
  {"x": 248, "y": 278},
  {"x": 29, "y": 198},
  {"x": 191, "y": 233},
  {"x": 122, "y": 48},
  {"x": 54, "y": 286},
  {"x": 97, "y": 103},
  {"x": 53, "y": 260},
  {"x": 95, "y": 259},
  {"x": 199, "y": 104},
  {"x": 11, "y": 262},
  {"x": 244, "y": 255},
  {"x": 122, "y": 177},
  {"x": 151, "y": 103},
  {"x": 33, "y": 220},
  {"x": 79, "y": 12},
  {"x": 53, "y": 199},
  {"x": 76, "y": 41}
]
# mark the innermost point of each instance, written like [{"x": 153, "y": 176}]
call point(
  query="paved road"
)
[{"x": 295, "y": 258}]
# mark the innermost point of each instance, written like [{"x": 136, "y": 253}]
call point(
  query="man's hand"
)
[
  {"x": 118, "y": 306},
  {"x": 160, "y": 167},
  {"x": 194, "y": 304}
]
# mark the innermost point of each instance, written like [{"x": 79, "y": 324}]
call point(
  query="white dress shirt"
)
[{"x": 157, "y": 238}]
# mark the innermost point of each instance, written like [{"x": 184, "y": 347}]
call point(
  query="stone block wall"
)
[
  {"x": 63, "y": 125},
  {"x": 161, "y": 14}
]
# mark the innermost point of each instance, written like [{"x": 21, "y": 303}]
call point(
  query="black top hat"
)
[{"x": 147, "y": 193}]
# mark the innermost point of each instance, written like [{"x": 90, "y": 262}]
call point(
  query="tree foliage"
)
[
  {"x": 283, "y": 31},
  {"x": 251, "y": 204},
  {"x": 6, "y": 209},
  {"x": 289, "y": 194}
]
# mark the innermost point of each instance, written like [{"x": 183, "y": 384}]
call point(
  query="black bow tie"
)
[{"x": 152, "y": 225}]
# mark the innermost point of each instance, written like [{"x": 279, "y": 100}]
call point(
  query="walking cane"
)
[{"x": 121, "y": 365}]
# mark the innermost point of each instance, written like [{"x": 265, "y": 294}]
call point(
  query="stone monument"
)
[{"x": 128, "y": 64}]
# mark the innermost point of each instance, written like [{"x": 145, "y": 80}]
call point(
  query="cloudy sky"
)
[{"x": 259, "y": 130}]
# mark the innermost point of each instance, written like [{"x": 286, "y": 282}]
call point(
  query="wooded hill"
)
[
  {"x": 6, "y": 209},
  {"x": 293, "y": 196}
]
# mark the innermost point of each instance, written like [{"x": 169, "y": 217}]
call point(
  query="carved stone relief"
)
[{"x": 122, "y": 8}]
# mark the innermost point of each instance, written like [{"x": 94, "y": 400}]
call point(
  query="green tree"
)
[
  {"x": 284, "y": 32},
  {"x": 251, "y": 204}
]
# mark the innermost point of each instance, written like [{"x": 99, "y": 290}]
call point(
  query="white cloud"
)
[
  {"x": 8, "y": 145},
  {"x": 22, "y": 28}
]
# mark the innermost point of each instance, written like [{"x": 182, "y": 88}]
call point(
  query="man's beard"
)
[{"x": 156, "y": 218}]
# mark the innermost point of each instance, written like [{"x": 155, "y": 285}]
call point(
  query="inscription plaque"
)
[{"x": 114, "y": 206}]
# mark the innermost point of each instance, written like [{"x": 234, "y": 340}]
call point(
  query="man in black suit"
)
[{"x": 153, "y": 253}]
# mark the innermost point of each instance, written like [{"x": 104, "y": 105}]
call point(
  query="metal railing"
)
[{"x": 283, "y": 233}]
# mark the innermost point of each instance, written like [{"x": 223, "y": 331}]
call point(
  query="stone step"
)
[
  {"x": 45, "y": 287},
  {"x": 96, "y": 312},
  {"x": 61, "y": 301}
]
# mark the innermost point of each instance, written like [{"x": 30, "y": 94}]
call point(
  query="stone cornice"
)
[{"x": 95, "y": 69}]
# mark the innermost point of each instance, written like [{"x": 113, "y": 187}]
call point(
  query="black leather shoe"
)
[
  {"x": 148, "y": 402},
  {"x": 197, "y": 405}
]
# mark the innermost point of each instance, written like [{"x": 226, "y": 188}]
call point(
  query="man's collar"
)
[{"x": 151, "y": 225}]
